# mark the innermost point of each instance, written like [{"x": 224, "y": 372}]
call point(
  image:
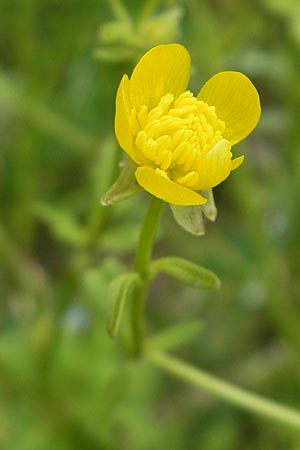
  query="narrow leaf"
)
[
  {"x": 118, "y": 292},
  {"x": 174, "y": 336},
  {"x": 63, "y": 224},
  {"x": 187, "y": 272}
]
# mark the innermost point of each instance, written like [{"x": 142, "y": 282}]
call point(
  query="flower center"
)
[{"x": 174, "y": 136}]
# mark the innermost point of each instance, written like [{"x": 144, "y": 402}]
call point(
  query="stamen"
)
[
  {"x": 164, "y": 159},
  {"x": 162, "y": 173},
  {"x": 190, "y": 160},
  {"x": 143, "y": 116},
  {"x": 154, "y": 114},
  {"x": 203, "y": 121},
  {"x": 165, "y": 102},
  {"x": 147, "y": 145},
  {"x": 179, "y": 154},
  {"x": 163, "y": 142},
  {"x": 176, "y": 135},
  {"x": 188, "y": 180}
]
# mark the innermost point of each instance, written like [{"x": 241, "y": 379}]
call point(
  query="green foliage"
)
[
  {"x": 174, "y": 336},
  {"x": 63, "y": 383},
  {"x": 62, "y": 224},
  {"x": 118, "y": 291},
  {"x": 187, "y": 272}
]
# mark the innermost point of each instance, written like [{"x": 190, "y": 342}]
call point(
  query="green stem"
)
[
  {"x": 142, "y": 260},
  {"x": 227, "y": 391},
  {"x": 144, "y": 250}
]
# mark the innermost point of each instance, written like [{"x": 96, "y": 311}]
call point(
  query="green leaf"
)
[
  {"x": 174, "y": 336},
  {"x": 118, "y": 292},
  {"x": 124, "y": 187},
  {"x": 62, "y": 223},
  {"x": 189, "y": 273}
]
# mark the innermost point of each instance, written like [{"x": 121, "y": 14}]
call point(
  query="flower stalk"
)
[
  {"x": 142, "y": 261},
  {"x": 147, "y": 235}
]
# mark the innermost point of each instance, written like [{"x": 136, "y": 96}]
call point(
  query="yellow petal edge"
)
[
  {"x": 122, "y": 128},
  {"x": 216, "y": 166},
  {"x": 169, "y": 191},
  {"x": 163, "y": 69},
  {"x": 236, "y": 101}
]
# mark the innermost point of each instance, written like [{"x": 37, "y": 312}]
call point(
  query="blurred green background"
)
[{"x": 64, "y": 384}]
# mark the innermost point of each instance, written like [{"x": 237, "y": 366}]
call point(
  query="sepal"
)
[
  {"x": 187, "y": 272},
  {"x": 191, "y": 219},
  {"x": 118, "y": 291},
  {"x": 209, "y": 208},
  {"x": 124, "y": 187}
]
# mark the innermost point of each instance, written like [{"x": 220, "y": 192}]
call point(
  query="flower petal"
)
[
  {"x": 163, "y": 69},
  {"x": 236, "y": 101},
  {"x": 236, "y": 162},
  {"x": 123, "y": 108},
  {"x": 169, "y": 191},
  {"x": 216, "y": 166}
]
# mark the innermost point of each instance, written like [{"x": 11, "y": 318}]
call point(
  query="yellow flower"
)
[{"x": 181, "y": 143}]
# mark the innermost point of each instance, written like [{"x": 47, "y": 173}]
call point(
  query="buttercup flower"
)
[{"x": 181, "y": 143}]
